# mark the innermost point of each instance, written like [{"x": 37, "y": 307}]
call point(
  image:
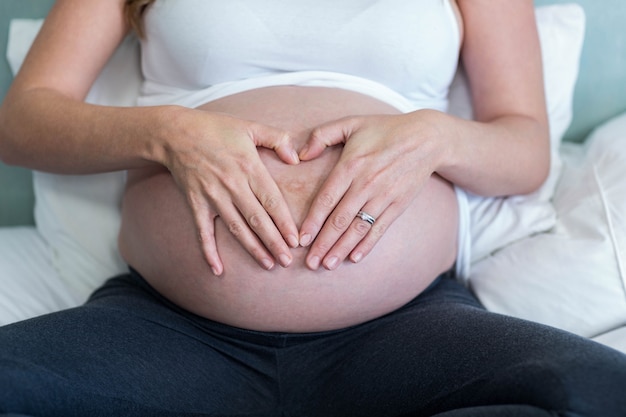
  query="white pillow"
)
[
  {"x": 496, "y": 222},
  {"x": 574, "y": 276},
  {"x": 79, "y": 216}
]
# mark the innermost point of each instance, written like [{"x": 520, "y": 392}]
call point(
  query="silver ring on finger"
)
[{"x": 366, "y": 217}]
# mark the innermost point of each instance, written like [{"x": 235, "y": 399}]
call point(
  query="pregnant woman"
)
[{"x": 293, "y": 214}]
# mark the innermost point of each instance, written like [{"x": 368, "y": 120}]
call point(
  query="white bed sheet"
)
[
  {"x": 30, "y": 284},
  {"x": 615, "y": 339}
]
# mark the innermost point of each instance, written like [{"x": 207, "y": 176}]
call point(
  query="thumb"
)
[
  {"x": 277, "y": 139},
  {"x": 326, "y": 135}
]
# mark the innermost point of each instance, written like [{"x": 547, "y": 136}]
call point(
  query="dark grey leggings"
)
[{"x": 130, "y": 352}]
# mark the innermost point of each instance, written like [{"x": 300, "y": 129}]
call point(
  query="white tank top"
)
[{"x": 408, "y": 50}]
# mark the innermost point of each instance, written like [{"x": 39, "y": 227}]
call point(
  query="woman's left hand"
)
[{"x": 385, "y": 163}]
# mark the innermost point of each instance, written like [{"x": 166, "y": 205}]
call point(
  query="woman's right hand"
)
[{"x": 214, "y": 160}]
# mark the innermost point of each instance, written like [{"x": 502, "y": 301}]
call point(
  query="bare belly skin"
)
[{"x": 158, "y": 237}]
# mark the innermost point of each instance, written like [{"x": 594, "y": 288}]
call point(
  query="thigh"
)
[
  {"x": 128, "y": 353},
  {"x": 444, "y": 352}
]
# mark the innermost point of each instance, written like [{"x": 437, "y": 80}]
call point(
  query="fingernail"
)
[
  {"x": 215, "y": 271},
  {"x": 304, "y": 151},
  {"x": 284, "y": 259},
  {"x": 267, "y": 264},
  {"x": 314, "y": 262},
  {"x": 305, "y": 240},
  {"x": 357, "y": 257},
  {"x": 332, "y": 263},
  {"x": 295, "y": 157},
  {"x": 292, "y": 240}
]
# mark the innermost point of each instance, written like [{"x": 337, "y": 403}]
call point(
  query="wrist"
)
[
  {"x": 439, "y": 130},
  {"x": 165, "y": 124}
]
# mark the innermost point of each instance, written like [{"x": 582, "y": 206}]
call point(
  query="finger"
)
[
  {"x": 378, "y": 229},
  {"x": 277, "y": 139},
  {"x": 328, "y": 134},
  {"x": 325, "y": 202},
  {"x": 338, "y": 222},
  {"x": 270, "y": 197},
  {"x": 278, "y": 211},
  {"x": 256, "y": 209},
  {"x": 240, "y": 229},
  {"x": 357, "y": 231},
  {"x": 205, "y": 224},
  {"x": 395, "y": 209}
]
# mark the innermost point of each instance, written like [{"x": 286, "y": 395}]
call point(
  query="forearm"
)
[
  {"x": 505, "y": 156},
  {"x": 45, "y": 130}
]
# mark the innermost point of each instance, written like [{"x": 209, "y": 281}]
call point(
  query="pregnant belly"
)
[{"x": 159, "y": 240}]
